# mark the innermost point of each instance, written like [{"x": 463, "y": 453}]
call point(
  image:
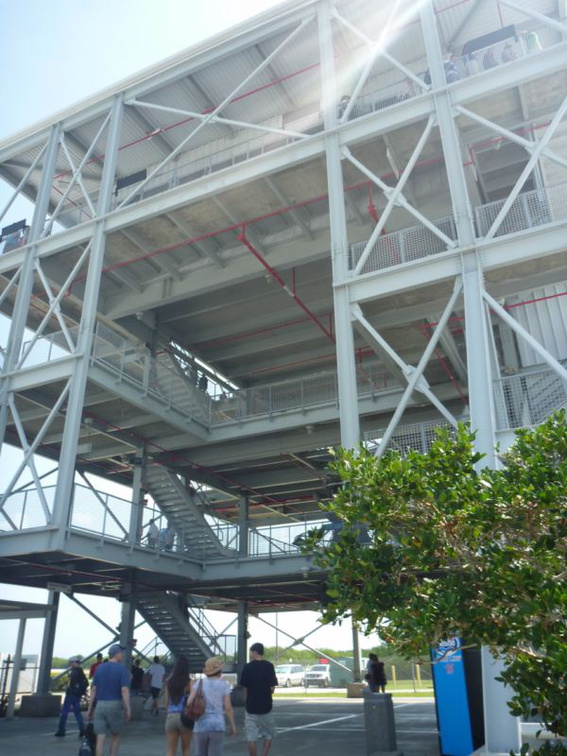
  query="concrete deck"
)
[{"x": 305, "y": 727}]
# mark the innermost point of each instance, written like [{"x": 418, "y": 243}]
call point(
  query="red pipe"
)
[{"x": 276, "y": 276}]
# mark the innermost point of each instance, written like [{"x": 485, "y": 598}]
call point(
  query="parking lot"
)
[{"x": 337, "y": 724}]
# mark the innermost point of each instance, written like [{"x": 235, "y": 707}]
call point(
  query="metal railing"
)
[
  {"x": 297, "y": 394},
  {"x": 528, "y": 398},
  {"x": 197, "y": 164},
  {"x": 529, "y": 210},
  {"x": 406, "y": 245},
  {"x": 24, "y": 509},
  {"x": 108, "y": 517},
  {"x": 414, "y": 437}
]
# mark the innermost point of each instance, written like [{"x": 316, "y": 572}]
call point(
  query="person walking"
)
[
  {"x": 111, "y": 691},
  {"x": 259, "y": 681},
  {"x": 176, "y": 690},
  {"x": 137, "y": 681},
  {"x": 376, "y": 674},
  {"x": 156, "y": 672},
  {"x": 210, "y": 727},
  {"x": 95, "y": 665},
  {"x": 76, "y": 689}
]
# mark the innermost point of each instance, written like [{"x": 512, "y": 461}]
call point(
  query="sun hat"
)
[{"x": 213, "y": 666}]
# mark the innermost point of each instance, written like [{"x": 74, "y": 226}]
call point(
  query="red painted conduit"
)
[{"x": 276, "y": 276}]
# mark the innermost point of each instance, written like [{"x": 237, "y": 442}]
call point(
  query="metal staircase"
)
[
  {"x": 181, "y": 509},
  {"x": 185, "y": 631}
]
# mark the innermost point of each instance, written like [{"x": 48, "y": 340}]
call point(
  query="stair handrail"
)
[{"x": 203, "y": 625}]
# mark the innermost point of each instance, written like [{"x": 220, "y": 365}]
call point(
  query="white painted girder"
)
[
  {"x": 180, "y": 65},
  {"x": 417, "y": 108},
  {"x": 532, "y": 244}
]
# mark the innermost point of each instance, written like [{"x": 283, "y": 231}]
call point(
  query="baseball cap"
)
[
  {"x": 258, "y": 648},
  {"x": 115, "y": 648},
  {"x": 77, "y": 659}
]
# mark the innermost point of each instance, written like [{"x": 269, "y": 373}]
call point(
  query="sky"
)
[{"x": 52, "y": 56}]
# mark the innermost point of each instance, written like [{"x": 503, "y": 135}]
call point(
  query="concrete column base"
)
[
  {"x": 379, "y": 723},
  {"x": 355, "y": 690},
  {"x": 237, "y": 696},
  {"x": 40, "y": 706}
]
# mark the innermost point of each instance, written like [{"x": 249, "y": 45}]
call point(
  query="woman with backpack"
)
[{"x": 176, "y": 690}]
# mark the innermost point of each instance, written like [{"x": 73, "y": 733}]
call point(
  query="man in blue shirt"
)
[{"x": 111, "y": 691}]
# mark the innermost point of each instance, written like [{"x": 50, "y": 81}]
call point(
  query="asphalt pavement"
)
[{"x": 305, "y": 726}]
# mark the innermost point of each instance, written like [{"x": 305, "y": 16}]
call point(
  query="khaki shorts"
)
[
  {"x": 259, "y": 726},
  {"x": 108, "y": 717},
  {"x": 173, "y": 722}
]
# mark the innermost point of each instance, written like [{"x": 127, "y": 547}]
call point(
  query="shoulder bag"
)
[{"x": 195, "y": 708}]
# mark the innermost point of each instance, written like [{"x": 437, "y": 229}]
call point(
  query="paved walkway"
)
[{"x": 306, "y": 727}]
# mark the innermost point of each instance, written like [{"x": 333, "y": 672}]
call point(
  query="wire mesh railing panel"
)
[
  {"x": 100, "y": 513},
  {"x": 415, "y": 437},
  {"x": 385, "y": 253},
  {"x": 48, "y": 347},
  {"x": 286, "y": 396},
  {"x": 25, "y": 509},
  {"x": 319, "y": 390},
  {"x": 263, "y": 543},
  {"x": 528, "y": 399},
  {"x": 372, "y": 377},
  {"x": 384, "y": 95},
  {"x": 313, "y": 390},
  {"x": 280, "y": 539},
  {"x": 399, "y": 247},
  {"x": 529, "y": 209}
]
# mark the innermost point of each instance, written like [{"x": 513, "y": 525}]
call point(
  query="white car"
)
[
  {"x": 289, "y": 674},
  {"x": 318, "y": 674}
]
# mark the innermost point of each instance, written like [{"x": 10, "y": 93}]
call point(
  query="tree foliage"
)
[{"x": 433, "y": 547}]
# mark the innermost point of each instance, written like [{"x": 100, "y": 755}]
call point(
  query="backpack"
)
[{"x": 79, "y": 684}]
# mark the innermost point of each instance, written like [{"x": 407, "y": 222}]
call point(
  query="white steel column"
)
[
  {"x": 346, "y": 369},
  {"x": 16, "y": 670},
  {"x": 47, "y": 644},
  {"x": 25, "y": 283},
  {"x": 502, "y": 731},
  {"x": 65, "y": 478},
  {"x": 137, "y": 511}
]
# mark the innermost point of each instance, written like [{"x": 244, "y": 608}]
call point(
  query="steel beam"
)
[{"x": 346, "y": 371}]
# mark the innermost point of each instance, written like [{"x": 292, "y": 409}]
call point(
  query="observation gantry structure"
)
[{"x": 343, "y": 220}]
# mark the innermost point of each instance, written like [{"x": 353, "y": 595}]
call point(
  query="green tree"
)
[{"x": 431, "y": 547}]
